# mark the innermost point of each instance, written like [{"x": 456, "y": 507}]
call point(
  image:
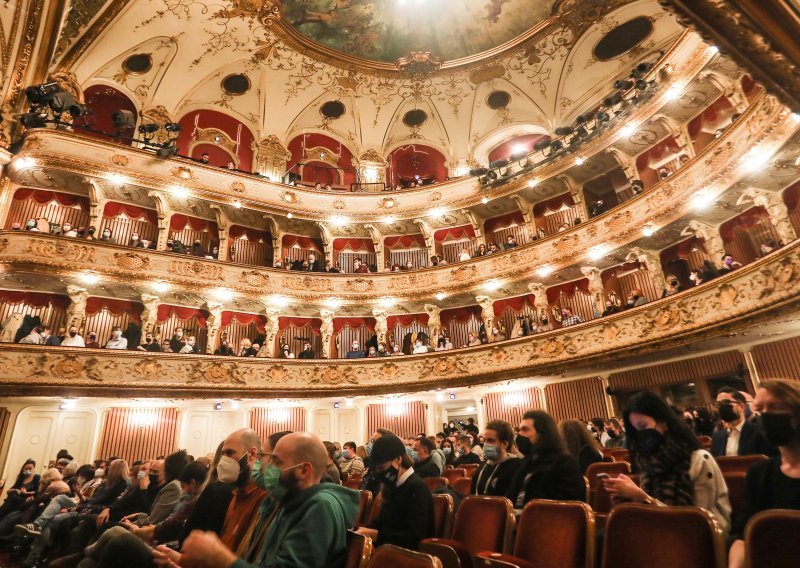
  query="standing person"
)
[
  {"x": 674, "y": 470},
  {"x": 580, "y": 443},
  {"x": 494, "y": 477},
  {"x": 406, "y": 515}
]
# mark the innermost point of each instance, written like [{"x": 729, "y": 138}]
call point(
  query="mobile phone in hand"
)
[{"x": 602, "y": 476}]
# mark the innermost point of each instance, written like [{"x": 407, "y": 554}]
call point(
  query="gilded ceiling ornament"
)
[
  {"x": 148, "y": 368},
  {"x": 387, "y": 203},
  {"x": 70, "y": 367},
  {"x": 308, "y": 283},
  {"x": 3, "y": 244},
  {"x": 183, "y": 172},
  {"x": 334, "y": 376},
  {"x": 119, "y": 160},
  {"x": 360, "y": 285},
  {"x": 463, "y": 273},
  {"x": 131, "y": 261},
  {"x": 410, "y": 281},
  {"x": 339, "y": 204},
  {"x": 238, "y": 187},
  {"x": 435, "y": 196},
  {"x": 419, "y": 63},
  {"x": 487, "y": 73},
  {"x": 389, "y": 370}
]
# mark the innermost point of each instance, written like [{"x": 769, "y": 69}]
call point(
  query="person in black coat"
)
[
  {"x": 406, "y": 515},
  {"x": 424, "y": 466},
  {"x": 497, "y": 473},
  {"x": 548, "y": 471},
  {"x": 314, "y": 264},
  {"x": 580, "y": 443},
  {"x": 731, "y": 404}
]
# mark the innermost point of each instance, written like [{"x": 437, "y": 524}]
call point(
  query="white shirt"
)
[
  {"x": 464, "y": 257},
  {"x": 120, "y": 343},
  {"x": 420, "y": 349},
  {"x": 403, "y": 478},
  {"x": 76, "y": 341},
  {"x": 734, "y": 435}
]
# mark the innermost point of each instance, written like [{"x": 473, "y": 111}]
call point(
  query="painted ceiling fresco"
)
[{"x": 386, "y": 30}]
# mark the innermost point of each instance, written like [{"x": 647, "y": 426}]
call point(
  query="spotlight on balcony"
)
[
  {"x": 148, "y": 128},
  {"x": 564, "y": 130},
  {"x": 541, "y": 145},
  {"x": 173, "y": 127},
  {"x": 623, "y": 84},
  {"x": 40, "y": 95}
]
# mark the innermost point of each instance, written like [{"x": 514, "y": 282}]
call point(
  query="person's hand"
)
[
  {"x": 164, "y": 557},
  {"x": 102, "y": 518},
  {"x": 130, "y": 518},
  {"x": 623, "y": 487},
  {"x": 205, "y": 550}
]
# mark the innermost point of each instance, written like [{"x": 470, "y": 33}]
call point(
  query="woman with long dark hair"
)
[
  {"x": 25, "y": 487},
  {"x": 674, "y": 469},
  {"x": 580, "y": 443}
]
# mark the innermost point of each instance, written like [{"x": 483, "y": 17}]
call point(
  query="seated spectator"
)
[
  {"x": 67, "y": 230},
  {"x": 204, "y": 158},
  {"x": 224, "y": 349},
  {"x": 443, "y": 343},
  {"x": 333, "y": 474},
  {"x": 493, "y": 249},
  {"x": 494, "y": 477},
  {"x": 73, "y": 339},
  {"x": 597, "y": 207},
  {"x": 481, "y": 251},
  {"x": 307, "y": 352},
  {"x": 547, "y": 470},
  {"x": 434, "y": 260},
  {"x": 116, "y": 341},
  {"x": 50, "y": 339},
  {"x": 610, "y": 309},
  {"x": 246, "y": 348},
  {"x": 135, "y": 242},
  {"x": 419, "y": 347},
  {"x": 406, "y": 516},
  {"x": 214, "y": 254},
  {"x": 286, "y": 352},
  {"x": 351, "y": 464},
  {"x": 382, "y": 351},
  {"x": 372, "y": 352},
  {"x": 35, "y": 337},
  {"x": 355, "y": 352},
  {"x": 409, "y": 265},
  {"x": 739, "y": 437},
  {"x": 464, "y": 453},
  {"x": 635, "y": 299},
  {"x": 30, "y": 225},
  {"x": 91, "y": 340},
  {"x": 359, "y": 268},
  {"x": 448, "y": 448},
  {"x": 498, "y": 332},
  {"x": 421, "y": 455},
  {"x": 197, "y": 249},
  {"x": 191, "y": 346},
  {"x": 773, "y": 483},
  {"x": 464, "y": 255},
  {"x": 26, "y": 486},
  {"x": 616, "y": 437},
  {"x": 696, "y": 277},
  {"x": 673, "y": 286},
  {"x": 729, "y": 264},
  {"x": 107, "y": 238},
  {"x": 568, "y": 318},
  {"x": 580, "y": 443},
  {"x": 309, "y": 529},
  {"x": 396, "y": 352},
  {"x": 165, "y": 346},
  {"x": 472, "y": 341},
  {"x": 511, "y": 242},
  {"x": 768, "y": 247},
  {"x": 177, "y": 343},
  {"x": 674, "y": 470}
]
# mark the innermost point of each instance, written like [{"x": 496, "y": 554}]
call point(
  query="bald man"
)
[{"x": 310, "y": 529}]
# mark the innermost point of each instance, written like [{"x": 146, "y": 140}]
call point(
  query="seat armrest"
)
[
  {"x": 497, "y": 560},
  {"x": 452, "y": 553}
]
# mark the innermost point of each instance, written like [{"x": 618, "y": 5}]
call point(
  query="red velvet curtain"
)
[
  {"x": 668, "y": 146},
  {"x": 516, "y": 304},
  {"x": 553, "y": 204},
  {"x": 244, "y": 319},
  {"x": 115, "y": 307},
  {"x": 681, "y": 250},
  {"x": 113, "y": 209},
  {"x": 34, "y": 299},
  {"x": 355, "y": 245},
  {"x": 710, "y": 119},
  {"x": 406, "y": 320},
  {"x": 504, "y": 221},
  {"x": 43, "y": 196},
  {"x": 745, "y": 220},
  {"x": 404, "y": 242},
  {"x": 178, "y": 222},
  {"x": 353, "y": 323},
  {"x": 454, "y": 234},
  {"x": 609, "y": 273},
  {"x": 165, "y": 311},
  {"x": 253, "y": 235},
  {"x": 303, "y": 242},
  {"x": 567, "y": 289},
  {"x": 791, "y": 196},
  {"x": 285, "y": 322},
  {"x": 462, "y": 315}
]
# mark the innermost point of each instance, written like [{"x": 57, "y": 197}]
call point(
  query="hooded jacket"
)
[{"x": 310, "y": 530}]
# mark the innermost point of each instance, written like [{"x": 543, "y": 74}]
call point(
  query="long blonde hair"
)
[{"x": 117, "y": 471}]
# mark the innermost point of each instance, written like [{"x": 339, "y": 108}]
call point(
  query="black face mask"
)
[
  {"x": 153, "y": 479},
  {"x": 244, "y": 471},
  {"x": 611, "y": 433},
  {"x": 727, "y": 413},
  {"x": 73, "y": 333},
  {"x": 524, "y": 444},
  {"x": 649, "y": 440},
  {"x": 389, "y": 475},
  {"x": 778, "y": 428}
]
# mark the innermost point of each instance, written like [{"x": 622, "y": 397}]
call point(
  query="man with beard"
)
[{"x": 310, "y": 529}]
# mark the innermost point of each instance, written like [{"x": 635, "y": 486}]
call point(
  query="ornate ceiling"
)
[{"x": 551, "y": 73}]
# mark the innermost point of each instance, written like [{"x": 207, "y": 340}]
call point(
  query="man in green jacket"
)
[{"x": 311, "y": 528}]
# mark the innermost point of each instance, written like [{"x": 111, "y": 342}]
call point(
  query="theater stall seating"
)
[
  {"x": 550, "y": 534},
  {"x": 481, "y": 524},
  {"x": 359, "y": 550},
  {"x": 770, "y": 539},
  {"x": 435, "y": 483},
  {"x": 443, "y": 514},
  {"x": 599, "y": 498},
  {"x": 364, "y": 508},
  {"x": 390, "y": 556},
  {"x": 688, "y": 537},
  {"x": 462, "y": 486},
  {"x": 452, "y": 474},
  {"x": 741, "y": 464}
]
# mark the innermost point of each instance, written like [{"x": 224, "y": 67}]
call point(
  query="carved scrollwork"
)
[
  {"x": 3, "y": 245},
  {"x": 308, "y": 283},
  {"x": 335, "y": 376},
  {"x": 412, "y": 280},
  {"x": 238, "y": 187},
  {"x": 148, "y": 368},
  {"x": 196, "y": 269},
  {"x": 119, "y": 160},
  {"x": 463, "y": 273},
  {"x": 255, "y": 278},
  {"x": 131, "y": 261},
  {"x": 360, "y": 285},
  {"x": 65, "y": 250}
]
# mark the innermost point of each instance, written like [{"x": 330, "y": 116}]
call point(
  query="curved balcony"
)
[
  {"x": 762, "y": 290},
  {"x": 67, "y": 152},
  {"x": 766, "y": 126}
]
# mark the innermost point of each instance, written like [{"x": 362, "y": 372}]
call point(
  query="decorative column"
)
[
  {"x": 710, "y": 235},
  {"x": 150, "y": 313},
  {"x": 271, "y": 157},
  {"x": 271, "y": 341},
  {"x": 97, "y": 205},
  {"x": 653, "y": 266},
  {"x": 327, "y": 241},
  {"x": 377, "y": 242},
  {"x": 752, "y": 371},
  {"x": 527, "y": 215},
  {"x": 596, "y": 288},
  {"x": 164, "y": 213},
  {"x": 540, "y": 303},
  {"x": 477, "y": 226},
  {"x": 609, "y": 400},
  {"x": 776, "y": 209},
  {"x": 326, "y": 331},
  {"x": 371, "y": 167},
  {"x": 76, "y": 312},
  {"x": 428, "y": 235},
  {"x": 434, "y": 321},
  {"x": 577, "y": 195},
  {"x": 213, "y": 324},
  {"x": 487, "y": 313},
  {"x": 381, "y": 327},
  {"x": 223, "y": 225}
]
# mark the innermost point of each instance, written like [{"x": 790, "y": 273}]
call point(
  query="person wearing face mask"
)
[
  {"x": 674, "y": 470},
  {"x": 150, "y": 344},
  {"x": 497, "y": 473},
  {"x": 406, "y": 515},
  {"x": 772, "y": 483},
  {"x": 30, "y": 225},
  {"x": 421, "y": 455},
  {"x": 673, "y": 286},
  {"x": 464, "y": 453},
  {"x": 50, "y": 339},
  {"x": 35, "y": 337},
  {"x": 728, "y": 264},
  {"x": 91, "y": 340},
  {"x": 739, "y": 437},
  {"x": 307, "y": 352},
  {"x": 117, "y": 341},
  {"x": 448, "y": 449},
  {"x": 197, "y": 249},
  {"x": 547, "y": 470},
  {"x": 371, "y": 482},
  {"x": 567, "y": 317},
  {"x": 73, "y": 339},
  {"x": 135, "y": 241},
  {"x": 106, "y": 237},
  {"x": 309, "y": 528},
  {"x": 355, "y": 352},
  {"x": 68, "y": 230},
  {"x": 177, "y": 342},
  {"x": 616, "y": 437},
  {"x": 419, "y": 347},
  {"x": 191, "y": 346},
  {"x": 351, "y": 464},
  {"x": 25, "y": 486},
  {"x": 224, "y": 349}
]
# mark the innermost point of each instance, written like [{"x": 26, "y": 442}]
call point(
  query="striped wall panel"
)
[
  {"x": 582, "y": 399},
  {"x": 405, "y": 419},
  {"x": 267, "y": 421},
  {"x": 511, "y": 405},
  {"x": 678, "y": 372},
  {"x": 138, "y": 433},
  {"x": 778, "y": 360}
]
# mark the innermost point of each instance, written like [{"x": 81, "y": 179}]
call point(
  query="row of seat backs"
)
[
  {"x": 443, "y": 512},
  {"x": 361, "y": 554}
]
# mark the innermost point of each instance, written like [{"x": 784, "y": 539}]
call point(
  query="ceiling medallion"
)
[
  {"x": 339, "y": 204},
  {"x": 419, "y": 63},
  {"x": 387, "y": 203},
  {"x": 182, "y": 172},
  {"x": 289, "y": 197},
  {"x": 120, "y": 160}
]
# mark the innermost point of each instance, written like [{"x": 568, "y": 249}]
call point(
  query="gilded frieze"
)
[
  {"x": 72, "y": 251},
  {"x": 196, "y": 269}
]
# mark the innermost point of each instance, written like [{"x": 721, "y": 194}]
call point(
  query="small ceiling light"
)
[
  {"x": 437, "y": 212},
  {"x": 492, "y": 285},
  {"x": 470, "y": 409},
  {"x": 333, "y": 303},
  {"x": 440, "y": 296},
  {"x": 24, "y": 163},
  {"x": 289, "y": 197},
  {"x": 452, "y": 396},
  {"x": 648, "y": 230},
  {"x": 160, "y": 287},
  {"x": 713, "y": 49},
  {"x": 222, "y": 294},
  {"x": 674, "y": 92},
  {"x": 179, "y": 191},
  {"x": 89, "y": 278},
  {"x": 336, "y": 404},
  {"x": 218, "y": 406},
  {"x": 796, "y": 116},
  {"x": 544, "y": 271},
  {"x": 484, "y": 200},
  {"x": 519, "y": 149},
  {"x": 339, "y": 221},
  {"x": 67, "y": 404},
  {"x": 757, "y": 158},
  {"x": 532, "y": 183},
  {"x": 237, "y": 204},
  {"x": 597, "y": 252},
  {"x": 439, "y": 396},
  {"x": 627, "y": 130},
  {"x": 117, "y": 179},
  {"x": 348, "y": 403},
  {"x": 387, "y": 302},
  {"x": 278, "y": 300},
  {"x": 289, "y": 216},
  {"x": 235, "y": 405},
  {"x": 579, "y": 161}
]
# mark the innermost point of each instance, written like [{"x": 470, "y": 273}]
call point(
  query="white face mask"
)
[
  {"x": 117, "y": 334},
  {"x": 99, "y": 472},
  {"x": 228, "y": 469},
  {"x": 178, "y": 334}
]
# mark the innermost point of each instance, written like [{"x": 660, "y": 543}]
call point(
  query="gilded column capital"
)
[
  {"x": 710, "y": 235},
  {"x": 381, "y": 326},
  {"x": 434, "y": 320}
]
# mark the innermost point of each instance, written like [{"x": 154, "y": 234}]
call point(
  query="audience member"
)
[
  {"x": 673, "y": 286},
  {"x": 580, "y": 443},
  {"x": 35, "y": 337},
  {"x": 496, "y": 474},
  {"x": 421, "y": 455},
  {"x": 307, "y": 352},
  {"x": 91, "y": 340},
  {"x": 116, "y": 341},
  {"x": 616, "y": 437},
  {"x": 351, "y": 464},
  {"x": 355, "y": 352},
  {"x": 739, "y": 437},
  {"x": 224, "y": 349},
  {"x": 73, "y": 339},
  {"x": 674, "y": 470}
]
